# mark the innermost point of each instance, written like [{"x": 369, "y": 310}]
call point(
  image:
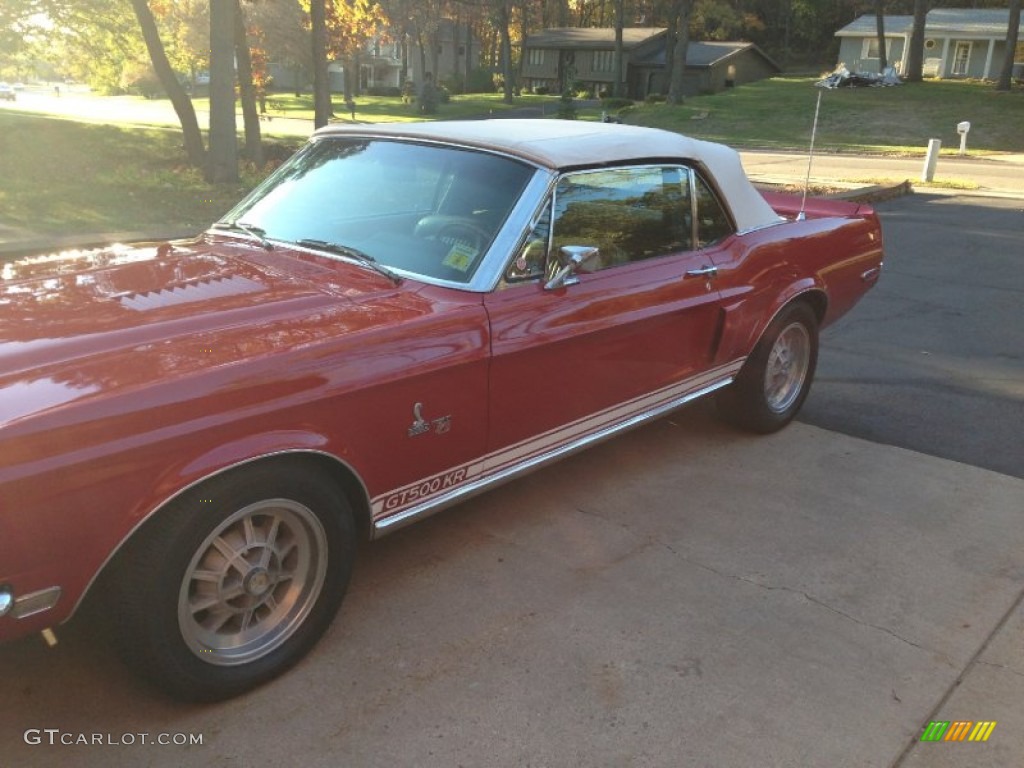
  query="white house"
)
[{"x": 958, "y": 42}]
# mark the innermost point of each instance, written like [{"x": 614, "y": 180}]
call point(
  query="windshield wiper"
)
[
  {"x": 355, "y": 254},
  {"x": 258, "y": 232}
]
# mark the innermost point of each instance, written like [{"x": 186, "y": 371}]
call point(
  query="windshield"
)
[{"x": 418, "y": 208}]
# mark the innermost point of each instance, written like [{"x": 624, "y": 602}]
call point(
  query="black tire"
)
[
  {"x": 773, "y": 383},
  {"x": 234, "y": 581}
]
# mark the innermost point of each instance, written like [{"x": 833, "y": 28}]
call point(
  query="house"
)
[
  {"x": 556, "y": 58},
  {"x": 450, "y": 52},
  {"x": 710, "y": 67},
  {"x": 958, "y": 42},
  {"x": 380, "y": 63}
]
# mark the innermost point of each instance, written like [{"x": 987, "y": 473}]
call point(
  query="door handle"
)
[{"x": 705, "y": 271}]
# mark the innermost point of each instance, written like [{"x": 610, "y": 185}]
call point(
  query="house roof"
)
[
  {"x": 701, "y": 54},
  {"x": 940, "y": 22},
  {"x": 987, "y": 22},
  {"x": 591, "y": 37},
  {"x": 867, "y": 26}
]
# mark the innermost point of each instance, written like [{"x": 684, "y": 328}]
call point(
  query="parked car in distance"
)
[
  {"x": 399, "y": 317},
  {"x": 7, "y": 92}
]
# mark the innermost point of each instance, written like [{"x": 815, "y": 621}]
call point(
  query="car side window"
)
[
  {"x": 628, "y": 214},
  {"x": 713, "y": 224}
]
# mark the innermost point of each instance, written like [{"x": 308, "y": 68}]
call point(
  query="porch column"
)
[
  {"x": 943, "y": 67},
  {"x": 988, "y": 60}
]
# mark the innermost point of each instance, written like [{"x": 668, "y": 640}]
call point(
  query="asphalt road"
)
[{"x": 933, "y": 358}]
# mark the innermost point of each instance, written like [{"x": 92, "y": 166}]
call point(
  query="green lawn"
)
[
  {"x": 779, "y": 113},
  {"x": 62, "y": 177}
]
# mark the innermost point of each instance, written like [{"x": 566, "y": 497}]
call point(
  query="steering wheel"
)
[{"x": 452, "y": 229}]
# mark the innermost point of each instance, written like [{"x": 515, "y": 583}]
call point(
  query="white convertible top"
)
[{"x": 566, "y": 144}]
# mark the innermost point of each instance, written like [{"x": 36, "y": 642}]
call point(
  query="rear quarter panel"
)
[{"x": 835, "y": 253}]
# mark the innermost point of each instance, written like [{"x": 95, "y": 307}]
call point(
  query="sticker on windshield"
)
[{"x": 459, "y": 257}]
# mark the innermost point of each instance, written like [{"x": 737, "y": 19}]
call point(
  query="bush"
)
[
  {"x": 384, "y": 90},
  {"x": 453, "y": 84},
  {"x": 655, "y": 98},
  {"x": 429, "y": 99},
  {"x": 443, "y": 95},
  {"x": 566, "y": 107},
  {"x": 541, "y": 90},
  {"x": 480, "y": 81}
]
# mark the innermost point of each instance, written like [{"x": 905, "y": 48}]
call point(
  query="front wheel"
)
[
  {"x": 235, "y": 580},
  {"x": 775, "y": 380}
]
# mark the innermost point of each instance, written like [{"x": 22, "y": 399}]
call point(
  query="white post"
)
[{"x": 930, "y": 159}]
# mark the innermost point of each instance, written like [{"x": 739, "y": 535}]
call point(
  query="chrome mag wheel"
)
[
  {"x": 786, "y": 367},
  {"x": 252, "y": 582}
]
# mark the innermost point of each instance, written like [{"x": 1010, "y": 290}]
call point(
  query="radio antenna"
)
[{"x": 810, "y": 157}]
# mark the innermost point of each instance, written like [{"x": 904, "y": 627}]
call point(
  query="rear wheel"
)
[
  {"x": 773, "y": 384},
  {"x": 235, "y": 580}
]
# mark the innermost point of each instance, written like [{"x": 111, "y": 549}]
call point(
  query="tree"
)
[
  {"x": 222, "y": 165},
  {"x": 503, "y": 20},
  {"x": 620, "y": 13},
  {"x": 679, "y": 21},
  {"x": 246, "y": 89},
  {"x": 915, "y": 54},
  {"x": 193, "y": 139},
  {"x": 1012, "y": 35},
  {"x": 880, "y": 24},
  {"x": 321, "y": 86}
]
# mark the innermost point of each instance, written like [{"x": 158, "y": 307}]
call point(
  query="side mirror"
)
[{"x": 571, "y": 258}]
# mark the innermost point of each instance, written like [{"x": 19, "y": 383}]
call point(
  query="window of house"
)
[
  {"x": 535, "y": 57},
  {"x": 603, "y": 61},
  {"x": 870, "y": 50}
]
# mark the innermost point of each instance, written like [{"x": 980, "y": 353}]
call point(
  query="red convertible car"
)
[{"x": 399, "y": 317}]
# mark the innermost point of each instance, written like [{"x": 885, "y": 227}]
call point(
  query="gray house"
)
[
  {"x": 587, "y": 55},
  {"x": 958, "y": 42}
]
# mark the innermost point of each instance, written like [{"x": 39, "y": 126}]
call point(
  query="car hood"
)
[{"x": 79, "y": 323}]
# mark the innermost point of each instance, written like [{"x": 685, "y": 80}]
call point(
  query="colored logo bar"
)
[{"x": 958, "y": 730}]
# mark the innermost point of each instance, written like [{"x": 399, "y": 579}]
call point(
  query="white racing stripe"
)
[{"x": 412, "y": 500}]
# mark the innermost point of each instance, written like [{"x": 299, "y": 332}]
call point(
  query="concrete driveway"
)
[{"x": 683, "y": 595}]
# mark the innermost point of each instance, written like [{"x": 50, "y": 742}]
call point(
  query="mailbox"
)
[{"x": 962, "y": 129}]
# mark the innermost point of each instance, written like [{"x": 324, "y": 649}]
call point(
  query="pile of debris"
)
[{"x": 844, "y": 78}]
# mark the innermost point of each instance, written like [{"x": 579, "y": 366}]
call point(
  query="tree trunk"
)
[
  {"x": 250, "y": 114},
  {"x": 182, "y": 104},
  {"x": 321, "y": 85},
  {"x": 506, "y": 49},
  {"x": 222, "y": 159},
  {"x": 915, "y": 56},
  {"x": 1012, "y": 35},
  {"x": 620, "y": 13},
  {"x": 681, "y": 14},
  {"x": 670, "y": 48},
  {"x": 880, "y": 24}
]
